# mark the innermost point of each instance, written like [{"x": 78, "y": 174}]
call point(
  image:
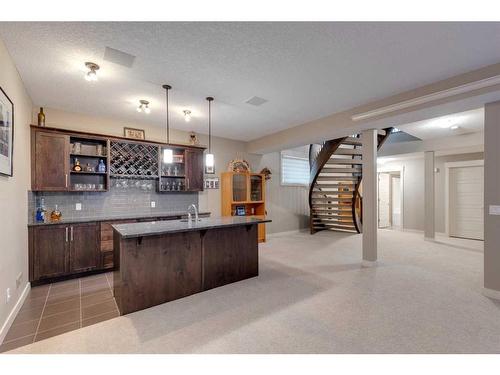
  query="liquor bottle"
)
[
  {"x": 40, "y": 212},
  {"x": 41, "y": 118},
  {"x": 101, "y": 167},
  {"x": 77, "y": 167},
  {"x": 55, "y": 215}
]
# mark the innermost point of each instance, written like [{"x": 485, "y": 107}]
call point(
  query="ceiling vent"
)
[
  {"x": 256, "y": 101},
  {"x": 119, "y": 57}
]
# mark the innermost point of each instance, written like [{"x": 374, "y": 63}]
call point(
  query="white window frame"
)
[{"x": 282, "y": 183}]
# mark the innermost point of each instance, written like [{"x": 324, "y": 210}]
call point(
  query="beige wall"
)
[
  {"x": 491, "y": 197},
  {"x": 13, "y": 194},
  {"x": 413, "y": 190}
]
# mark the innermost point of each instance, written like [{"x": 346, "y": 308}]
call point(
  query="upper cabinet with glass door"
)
[
  {"x": 240, "y": 187},
  {"x": 256, "y": 186}
]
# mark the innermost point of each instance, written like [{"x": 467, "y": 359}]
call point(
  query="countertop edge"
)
[
  {"x": 118, "y": 218},
  {"x": 192, "y": 229}
]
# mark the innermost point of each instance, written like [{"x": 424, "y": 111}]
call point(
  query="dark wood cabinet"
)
[
  {"x": 194, "y": 170},
  {"x": 84, "y": 253},
  {"x": 50, "y": 251},
  {"x": 63, "y": 250},
  {"x": 50, "y": 161}
]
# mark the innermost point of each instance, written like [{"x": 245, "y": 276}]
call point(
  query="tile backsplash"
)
[{"x": 135, "y": 199}]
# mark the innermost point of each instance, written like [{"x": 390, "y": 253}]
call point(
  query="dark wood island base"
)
[{"x": 154, "y": 267}]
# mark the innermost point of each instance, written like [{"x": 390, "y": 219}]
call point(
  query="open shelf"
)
[
  {"x": 89, "y": 156},
  {"x": 85, "y": 172}
]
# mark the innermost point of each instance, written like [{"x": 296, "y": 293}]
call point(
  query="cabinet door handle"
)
[
  {"x": 66, "y": 180},
  {"x": 66, "y": 234},
  {"x": 71, "y": 234},
  {"x": 187, "y": 183}
]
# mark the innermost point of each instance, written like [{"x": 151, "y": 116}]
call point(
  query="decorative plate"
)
[{"x": 238, "y": 165}]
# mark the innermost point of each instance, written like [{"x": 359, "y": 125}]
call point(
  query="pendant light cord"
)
[
  {"x": 167, "y": 87},
  {"x": 209, "y": 127},
  {"x": 209, "y": 99}
]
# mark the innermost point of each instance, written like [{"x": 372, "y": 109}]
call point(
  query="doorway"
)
[
  {"x": 390, "y": 200},
  {"x": 465, "y": 199}
]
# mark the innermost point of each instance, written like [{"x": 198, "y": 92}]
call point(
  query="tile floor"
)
[{"x": 53, "y": 309}]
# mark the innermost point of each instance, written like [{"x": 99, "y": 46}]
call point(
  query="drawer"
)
[
  {"x": 106, "y": 245},
  {"x": 107, "y": 260}
]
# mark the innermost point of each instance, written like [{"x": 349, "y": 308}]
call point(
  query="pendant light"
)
[
  {"x": 209, "y": 157},
  {"x": 168, "y": 154}
]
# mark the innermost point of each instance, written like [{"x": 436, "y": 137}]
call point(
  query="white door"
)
[
  {"x": 466, "y": 203},
  {"x": 384, "y": 200},
  {"x": 396, "y": 200}
]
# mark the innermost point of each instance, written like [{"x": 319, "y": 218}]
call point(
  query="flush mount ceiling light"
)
[
  {"x": 209, "y": 157},
  {"x": 168, "y": 153},
  {"x": 187, "y": 115},
  {"x": 144, "y": 107},
  {"x": 454, "y": 127},
  {"x": 91, "y": 75}
]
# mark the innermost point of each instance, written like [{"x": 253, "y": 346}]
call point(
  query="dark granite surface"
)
[
  {"x": 117, "y": 217},
  {"x": 174, "y": 226}
]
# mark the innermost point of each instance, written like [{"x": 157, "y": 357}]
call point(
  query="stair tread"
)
[
  {"x": 348, "y": 151},
  {"x": 352, "y": 141},
  {"x": 333, "y": 161}
]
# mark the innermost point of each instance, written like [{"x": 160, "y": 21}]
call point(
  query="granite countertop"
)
[
  {"x": 174, "y": 226},
  {"x": 172, "y": 214}
]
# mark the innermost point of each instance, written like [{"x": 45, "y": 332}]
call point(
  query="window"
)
[{"x": 294, "y": 170}]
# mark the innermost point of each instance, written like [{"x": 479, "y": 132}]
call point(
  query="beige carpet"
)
[{"x": 312, "y": 296}]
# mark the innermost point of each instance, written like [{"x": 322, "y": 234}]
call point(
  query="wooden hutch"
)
[{"x": 244, "y": 193}]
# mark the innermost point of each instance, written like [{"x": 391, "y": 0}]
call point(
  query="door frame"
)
[
  {"x": 401, "y": 172},
  {"x": 447, "y": 167}
]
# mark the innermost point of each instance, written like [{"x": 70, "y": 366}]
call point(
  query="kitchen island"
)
[{"x": 161, "y": 261}]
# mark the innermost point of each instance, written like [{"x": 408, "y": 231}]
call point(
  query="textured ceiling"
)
[
  {"x": 467, "y": 122},
  {"x": 304, "y": 70}
]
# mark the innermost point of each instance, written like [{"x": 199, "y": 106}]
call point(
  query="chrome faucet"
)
[{"x": 195, "y": 213}]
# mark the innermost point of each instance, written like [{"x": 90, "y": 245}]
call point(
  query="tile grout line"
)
[
  {"x": 81, "y": 312},
  {"x": 41, "y": 315},
  {"x": 112, "y": 294}
]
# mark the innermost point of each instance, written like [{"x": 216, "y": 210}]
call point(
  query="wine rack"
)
[{"x": 133, "y": 160}]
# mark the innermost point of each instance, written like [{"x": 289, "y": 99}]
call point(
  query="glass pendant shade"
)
[
  {"x": 168, "y": 156},
  {"x": 209, "y": 160}
]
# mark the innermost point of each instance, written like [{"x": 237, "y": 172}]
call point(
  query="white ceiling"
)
[
  {"x": 438, "y": 127},
  {"x": 304, "y": 70}
]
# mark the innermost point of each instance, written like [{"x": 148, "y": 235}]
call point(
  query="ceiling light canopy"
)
[
  {"x": 187, "y": 115},
  {"x": 144, "y": 107},
  {"x": 91, "y": 74}
]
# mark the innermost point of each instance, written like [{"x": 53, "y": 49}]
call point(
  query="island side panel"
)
[
  {"x": 158, "y": 269},
  {"x": 230, "y": 255}
]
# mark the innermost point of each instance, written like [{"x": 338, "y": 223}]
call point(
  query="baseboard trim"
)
[
  {"x": 12, "y": 316},
  {"x": 369, "y": 263},
  {"x": 491, "y": 293}
]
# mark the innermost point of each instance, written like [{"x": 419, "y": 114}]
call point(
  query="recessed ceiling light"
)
[
  {"x": 187, "y": 115},
  {"x": 144, "y": 107},
  {"x": 92, "y": 68}
]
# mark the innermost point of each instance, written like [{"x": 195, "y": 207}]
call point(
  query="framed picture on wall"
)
[
  {"x": 6, "y": 134},
  {"x": 134, "y": 133}
]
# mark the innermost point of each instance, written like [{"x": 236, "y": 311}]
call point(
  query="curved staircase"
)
[{"x": 335, "y": 190}]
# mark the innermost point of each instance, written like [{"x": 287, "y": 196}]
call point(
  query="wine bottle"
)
[{"x": 41, "y": 118}]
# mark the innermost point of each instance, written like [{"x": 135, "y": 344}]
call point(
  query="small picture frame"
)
[
  {"x": 240, "y": 211},
  {"x": 211, "y": 182},
  {"x": 132, "y": 133}
]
